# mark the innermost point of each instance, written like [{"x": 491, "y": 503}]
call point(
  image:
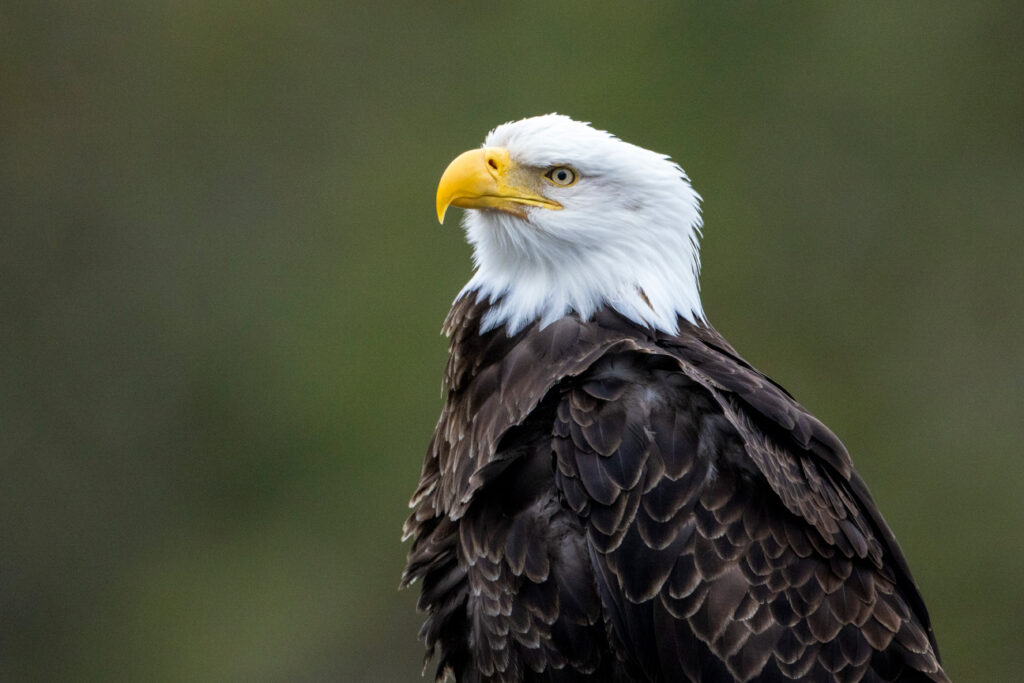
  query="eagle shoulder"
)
[{"x": 725, "y": 543}]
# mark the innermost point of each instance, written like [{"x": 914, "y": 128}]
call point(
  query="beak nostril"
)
[{"x": 492, "y": 163}]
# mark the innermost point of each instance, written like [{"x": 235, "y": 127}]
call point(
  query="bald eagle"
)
[{"x": 612, "y": 493}]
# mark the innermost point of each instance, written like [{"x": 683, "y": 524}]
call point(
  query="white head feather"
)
[{"x": 627, "y": 236}]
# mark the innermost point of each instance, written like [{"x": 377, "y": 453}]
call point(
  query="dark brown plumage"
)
[{"x": 605, "y": 502}]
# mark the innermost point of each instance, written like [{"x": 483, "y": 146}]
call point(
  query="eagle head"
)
[{"x": 566, "y": 219}]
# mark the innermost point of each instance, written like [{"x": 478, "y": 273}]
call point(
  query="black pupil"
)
[{"x": 562, "y": 175}]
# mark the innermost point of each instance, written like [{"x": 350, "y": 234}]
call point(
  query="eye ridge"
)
[{"x": 562, "y": 176}]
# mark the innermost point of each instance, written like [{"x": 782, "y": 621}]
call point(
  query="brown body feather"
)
[{"x": 605, "y": 502}]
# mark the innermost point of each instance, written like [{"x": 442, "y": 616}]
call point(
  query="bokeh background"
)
[{"x": 222, "y": 285}]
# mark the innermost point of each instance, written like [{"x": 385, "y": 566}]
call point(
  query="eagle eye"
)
[{"x": 562, "y": 176}]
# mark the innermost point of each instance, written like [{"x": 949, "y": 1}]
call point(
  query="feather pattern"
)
[{"x": 604, "y": 501}]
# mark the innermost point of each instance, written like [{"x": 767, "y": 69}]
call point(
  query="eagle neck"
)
[{"x": 517, "y": 299}]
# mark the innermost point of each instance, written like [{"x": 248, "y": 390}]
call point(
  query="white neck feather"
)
[{"x": 530, "y": 276}]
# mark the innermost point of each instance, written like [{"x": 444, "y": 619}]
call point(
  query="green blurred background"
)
[{"x": 222, "y": 285}]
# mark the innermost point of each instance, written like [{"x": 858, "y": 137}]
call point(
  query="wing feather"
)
[{"x": 721, "y": 549}]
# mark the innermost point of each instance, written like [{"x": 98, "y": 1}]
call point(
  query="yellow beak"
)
[{"x": 487, "y": 178}]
